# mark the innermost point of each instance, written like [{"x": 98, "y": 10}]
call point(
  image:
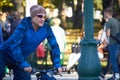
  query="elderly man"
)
[{"x": 25, "y": 39}]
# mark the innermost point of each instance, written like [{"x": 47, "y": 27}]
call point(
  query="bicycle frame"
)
[{"x": 46, "y": 74}]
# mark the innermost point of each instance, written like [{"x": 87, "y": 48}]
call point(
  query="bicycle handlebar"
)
[{"x": 45, "y": 74}]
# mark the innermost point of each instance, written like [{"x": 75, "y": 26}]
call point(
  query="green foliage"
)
[
  {"x": 46, "y": 3},
  {"x": 98, "y": 4},
  {"x": 56, "y": 3}
]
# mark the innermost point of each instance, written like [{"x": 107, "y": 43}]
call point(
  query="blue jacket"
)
[{"x": 25, "y": 40}]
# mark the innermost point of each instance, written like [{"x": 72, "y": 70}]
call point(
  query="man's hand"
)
[
  {"x": 59, "y": 70},
  {"x": 28, "y": 69}
]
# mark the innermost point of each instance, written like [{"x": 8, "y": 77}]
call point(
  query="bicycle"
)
[{"x": 46, "y": 74}]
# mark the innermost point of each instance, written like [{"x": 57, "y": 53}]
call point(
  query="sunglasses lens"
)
[{"x": 40, "y": 16}]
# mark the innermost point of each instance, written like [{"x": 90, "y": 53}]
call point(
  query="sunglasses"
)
[{"x": 41, "y": 16}]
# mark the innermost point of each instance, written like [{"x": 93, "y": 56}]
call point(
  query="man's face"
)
[
  {"x": 106, "y": 15},
  {"x": 39, "y": 19}
]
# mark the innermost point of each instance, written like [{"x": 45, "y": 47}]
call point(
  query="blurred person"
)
[
  {"x": 74, "y": 56},
  {"x": 103, "y": 48},
  {"x": 60, "y": 37},
  {"x": 112, "y": 28},
  {"x": 3, "y": 20},
  {"x": 101, "y": 51},
  {"x": 63, "y": 18},
  {"x": 16, "y": 20},
  {"x": 103, "y": 42},
  {"x": 25, "y": 39},
  {"x": 4, "y": 23},
  {"x": 1, "y": 36},
  {"x": 8, "y": 22}
]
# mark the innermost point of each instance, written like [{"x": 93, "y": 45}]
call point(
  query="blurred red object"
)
[{"x": 40, "y": 51}]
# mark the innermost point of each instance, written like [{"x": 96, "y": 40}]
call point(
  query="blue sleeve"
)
[
  {"x": 16, "y": 40},
  {"x": 55, "y": 53}
]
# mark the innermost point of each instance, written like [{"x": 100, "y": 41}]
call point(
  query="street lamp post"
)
[{"x": 89, "y": 66}]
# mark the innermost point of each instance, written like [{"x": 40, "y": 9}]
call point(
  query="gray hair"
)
[{"x": 37, "y": 9}]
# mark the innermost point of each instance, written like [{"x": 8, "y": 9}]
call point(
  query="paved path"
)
[
  {"x": 65, "y": 76},
  {"x": 74, "y": 76}
]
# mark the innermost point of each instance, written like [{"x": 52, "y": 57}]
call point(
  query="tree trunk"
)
[{"x": 78, "y": 16}]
